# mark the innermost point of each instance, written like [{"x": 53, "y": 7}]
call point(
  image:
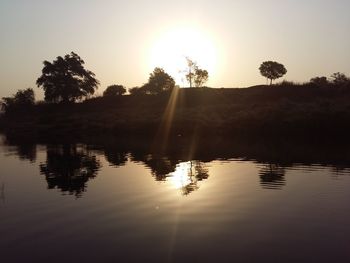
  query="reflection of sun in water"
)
[
  {"x": 181, "y": 177},
  {"x": 171, "y": 48}
]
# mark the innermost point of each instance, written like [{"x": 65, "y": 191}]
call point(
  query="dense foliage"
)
[
  {"x": 21, "y": 100},
  {"x": 66, "y": 79},
  {"x": 272, "y": 70},
  {"x": 159, "y": 82},
  {"x": 114, "y": 90}
]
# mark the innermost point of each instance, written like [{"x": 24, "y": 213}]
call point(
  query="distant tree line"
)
[
  {"x": 66, "y": 80},
  {"x": 336, "y": 79}
]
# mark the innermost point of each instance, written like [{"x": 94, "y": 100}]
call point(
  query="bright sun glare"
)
[
  {"x": 180, "y": 177},
  {"x": 172, "y": 47}
]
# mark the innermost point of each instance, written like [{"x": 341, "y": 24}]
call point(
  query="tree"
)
[
  {"x": 21, "y": 100},
  {"x": 158, "y": 82},
  {"x": 319, "y": 81},
  {"x": 272, "y": 70},
  {"x": 195, "y": 75},
  {"x": 114, "y": 90},
  {"x": 191, "y": 68},
  {"x": 339, "y": 78},
  {"x": 66, "y": 79},
  {"x": 201, "y": 76},
  {"x": 135, "y": 91}
]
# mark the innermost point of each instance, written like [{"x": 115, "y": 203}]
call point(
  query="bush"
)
[{"x": 23, "y": 99}]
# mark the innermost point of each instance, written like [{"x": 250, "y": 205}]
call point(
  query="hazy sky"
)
[{"x": 121, "y": 41}]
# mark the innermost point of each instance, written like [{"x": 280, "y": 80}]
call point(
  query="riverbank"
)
[{"x": 281, "y": 110}]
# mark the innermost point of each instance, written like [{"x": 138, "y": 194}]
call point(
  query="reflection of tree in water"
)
[
  {"x": 184, "y": 175},
  {"x": 27, "y": 152},
  {"x": 187, "y": 176},
  {"x": 160, "y": 167},
  {"x": 272, "y": 176},
  {"x": 68, "y": 168},
  {"x": 116, "y": 158},
  {"x": 24, "y": 151}
]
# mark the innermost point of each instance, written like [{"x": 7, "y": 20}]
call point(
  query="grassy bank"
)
[{"x": 283, "y": 110}]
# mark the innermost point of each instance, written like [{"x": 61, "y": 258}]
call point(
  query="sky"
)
[{"x": 122, "y": 41}]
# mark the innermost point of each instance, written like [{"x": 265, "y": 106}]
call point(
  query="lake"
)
[{"x": 123, "y": 201}]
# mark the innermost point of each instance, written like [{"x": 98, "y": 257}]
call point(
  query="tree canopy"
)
[
  {"x": 159, "y": 81},
  {"x": 66, "y": 79},
  {"x": 340, "y": 78},
  {"x": 21, "y": 100},
  {"x": 272, "y": 70},
  {"x": 319, "y": 81},
  {"x": 195, "y": 75},
  {"x": 114, "y": 90}
]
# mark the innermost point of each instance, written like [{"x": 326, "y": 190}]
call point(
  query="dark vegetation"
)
[
  {"x": 282, "y": 110},
  {"x": 272, "y": 70},
  {"x": 159, "y": 109},
  {"x": 66, "y": 79},
  {"x": 195, "y": 75},
  {"x": 159, "y": 82},
  {"x": 22, "y": 100},
  {"x": 114, "y": 90}
]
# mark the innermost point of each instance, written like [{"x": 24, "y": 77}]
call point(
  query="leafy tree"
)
[
  {"x": 201, "y": 76},
  {"x": 319, "y": 81},
  {"x": 158, "y": 82},
  {"x": 21, "y": 100},
  {"x": 135, "y": 91},
  {"x": 66, "y": 79},
  {"x": 195, "y": 75},
  {"x": 114, "y": 90},
  {"x": 340, "y": 78},
  {"x": 272, "y": 70}
]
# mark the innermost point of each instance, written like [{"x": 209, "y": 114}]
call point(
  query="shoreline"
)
[{"x": 263, "y": 111}]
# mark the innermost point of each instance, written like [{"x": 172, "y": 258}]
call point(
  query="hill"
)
[{"x": 281, "y": 110}]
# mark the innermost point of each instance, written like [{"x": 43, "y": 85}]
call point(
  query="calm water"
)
[{"x": 107, "y": 203}]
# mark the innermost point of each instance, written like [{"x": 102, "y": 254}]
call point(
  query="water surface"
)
[{"x": 74, "y": 202}]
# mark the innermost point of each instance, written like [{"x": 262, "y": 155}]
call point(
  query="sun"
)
[{"x": 170, "y": 49}]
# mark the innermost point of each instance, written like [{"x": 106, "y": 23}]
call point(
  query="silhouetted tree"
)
[
  {"x": 272, "y": 70},
  {"x": 135, "y": 91},
  {"x": 195, "y": 74},
  {"x": 190, "y": 73},
  {"x": 339, "y": 78},
  {"x": 114, "y": 90},
  {"x": 158, "y": 82},
  {"x": 66, "y": 79},
  {"x": 319, "y": 81},
  {"x": 201, "y": 76},
  {"x": 21, "y": 100}
]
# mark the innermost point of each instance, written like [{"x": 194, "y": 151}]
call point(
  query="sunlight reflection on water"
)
[{"x": 168, "y": 209}]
